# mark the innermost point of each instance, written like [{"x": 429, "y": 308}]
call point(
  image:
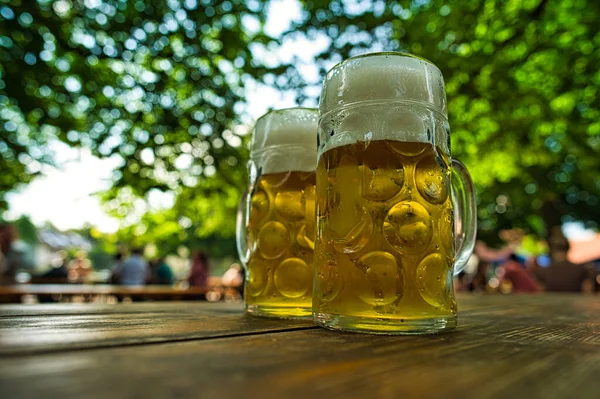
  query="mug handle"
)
[
  {"x": 241, "y": 235},
  {"x": 465, "y": 215}
]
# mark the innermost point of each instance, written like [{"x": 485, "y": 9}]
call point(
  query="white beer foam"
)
[
  {"x": 381, "y": 80},
  {"x": 285, "y": 141},
  {"x": 384, "y": 77}
]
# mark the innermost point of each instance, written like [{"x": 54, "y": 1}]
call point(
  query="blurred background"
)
[{"x": 125, "y": 123}]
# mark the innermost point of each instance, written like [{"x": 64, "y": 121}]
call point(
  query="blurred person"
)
[
  {"x": 487, "y": 254},
  {"x": 114, "y": 276},
  {"x": 512, "y": 236},
  {"x": 233, "y": 276},
  {"x": 134, "y": 270},
  {"x": 536, "y": 266},
  {"x": 79, "y": 268},
  {"x": 532, "y": 264},
  {"x": 152, "y": 264},
  {"x": 462, "y": 282},
  {"x": 162, "y": 273},
  {"x": 59, "y": 271},
  {"x": 562, "y": 275},
  {"x": 2, "y": 265},
  {"x": 520, "y": 279},
  {"x": 480, "y": 279},
  {"x": 9, "y": 258},
  {"x": 232, "y": 282},
  {"x": 199, "y": 270},
  {"x": 58, "y": 274},
  {"x": 596, "y": 273}
]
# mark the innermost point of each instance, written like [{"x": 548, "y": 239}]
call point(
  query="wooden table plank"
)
[
  {"x": 26, "y": 329},
  {"x": 66, "y": 309},
  {"x": 43, "y": 328},
  {"x": 519, "y": 347},
  {"x": 127, "y": 324}
]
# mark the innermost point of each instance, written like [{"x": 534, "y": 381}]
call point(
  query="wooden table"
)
[{"x": 537, "y": 346}]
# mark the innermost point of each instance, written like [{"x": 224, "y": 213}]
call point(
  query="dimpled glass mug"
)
[
  {"x": 395, "y": 214},
  {"x": 276, "y": 220}
]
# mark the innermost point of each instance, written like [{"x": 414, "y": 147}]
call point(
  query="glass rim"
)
[
  {"x": 402, "y": 54},
  {"x": 282, "y": 110}
]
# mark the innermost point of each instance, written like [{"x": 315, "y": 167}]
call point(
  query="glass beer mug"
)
[
  {"x": 276, "y": 219},
  {"x": 395, "y": 214}
]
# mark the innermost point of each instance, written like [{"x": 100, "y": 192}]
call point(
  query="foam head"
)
[
  {"x": 286, "y": 140},
  {"x": 383, "y": 77},
  {"x": 383, "y": 96}
]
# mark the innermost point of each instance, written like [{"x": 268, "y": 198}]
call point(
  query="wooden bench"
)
[{"x": 14, "y": 293}]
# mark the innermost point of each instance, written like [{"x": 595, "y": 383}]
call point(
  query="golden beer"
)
[
  {"x": 385, "y": 233},
  {"x": 281, "y": 232},
  {"x": 276, "y": 221}
]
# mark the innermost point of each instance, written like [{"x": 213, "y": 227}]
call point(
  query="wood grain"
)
[
  {"x": 53, "y": 329},
  {"x": 57, "y": 309},
  {"x": 545, "y": 346}
]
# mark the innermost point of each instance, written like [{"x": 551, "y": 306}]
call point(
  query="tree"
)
[
  {"x": 26, "y": 230},
  {"x": 523, "y": 92},
  {"x": 158, "y": 84}
]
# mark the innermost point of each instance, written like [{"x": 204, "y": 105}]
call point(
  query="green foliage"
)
[
  {"x": 102, "y": 254},
  {"x": 211, "y": 229},
  {"x": 26, "y": 230},
  {"x": 523, "y": 93},
  {"x": 160, "y": 85}
]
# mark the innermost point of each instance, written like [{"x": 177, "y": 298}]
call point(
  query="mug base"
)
[
  {"x": 278, "y": 312},
  {"x": 386, "y": 326}
]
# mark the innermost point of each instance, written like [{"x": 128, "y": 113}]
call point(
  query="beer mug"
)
[
  {"x": 276, "y": 219},
  {"x": 395, "y": 214}
]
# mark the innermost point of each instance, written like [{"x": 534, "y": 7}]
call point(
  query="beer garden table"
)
[{"x": 536, "y": 346}]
